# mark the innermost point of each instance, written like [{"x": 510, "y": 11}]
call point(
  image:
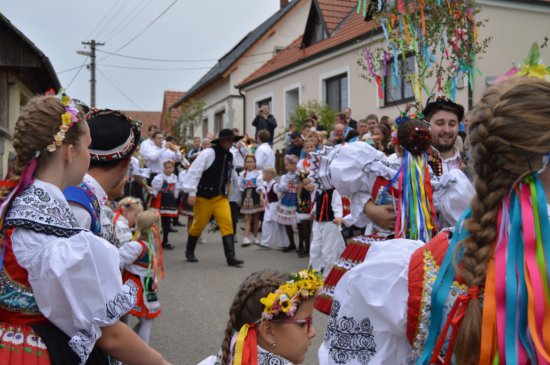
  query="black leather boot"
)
[
  {"x": 229, "y": 249},
  {"x": 190, "y": 250}
]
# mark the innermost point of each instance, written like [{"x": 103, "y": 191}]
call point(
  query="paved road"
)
[{"x": 195, "y": 298}]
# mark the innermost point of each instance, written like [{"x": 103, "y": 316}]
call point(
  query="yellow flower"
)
[
  {"x": 65, "y": 100},
  {"x": 269, "y": 301},
  {"x": 285, "y": 306},
  {"x": 539, "y": 71},
  {"x": 66, "y": 119}
]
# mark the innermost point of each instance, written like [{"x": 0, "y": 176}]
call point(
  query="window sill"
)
[{"x": 397, "y": 102}]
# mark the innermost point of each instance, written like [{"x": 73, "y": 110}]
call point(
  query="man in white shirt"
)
[
  {"x": 147, "y": 143},
  {"x": 158, "y": 153},
  {"x": 265, "y": 157},
  {"x": 207, "y": 182}
]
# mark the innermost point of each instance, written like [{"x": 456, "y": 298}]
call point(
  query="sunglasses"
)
[{"x": 307, "y": 321}]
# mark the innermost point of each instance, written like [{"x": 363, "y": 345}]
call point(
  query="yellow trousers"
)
[{"x": 205, "y": 208}]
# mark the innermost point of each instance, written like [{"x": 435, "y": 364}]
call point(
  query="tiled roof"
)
[
  {"x": 334, "y": 11},
  {"x": 170, "y": 97},
  {"x": 147, "y": 118},
  {"x": 352, "y": 28},
  {"x": 237, "y": 52}
]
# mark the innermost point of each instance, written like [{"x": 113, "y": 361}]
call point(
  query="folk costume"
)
[
  {"x": 122, "y": 229},
  {"x": 272, "y": 230},
  {"x": 327, "y": 244},
  {"x": 59, "y": 283},
  {"x": 303, "y": 211},
  {"x": 165, "y": 192},
  {"x": 115, "y": 137},
  {"x": 250, "y": 187},
  {"x": 208, "y": 179},
  {"x": 142, "y": 262},
  {"x": 407, "y": 182}
]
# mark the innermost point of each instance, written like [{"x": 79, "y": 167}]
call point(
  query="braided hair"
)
[
  {"x": 509, "y": 136},
  {"x": 38, "y": 123},
  {"x": 246, "y": 307}
]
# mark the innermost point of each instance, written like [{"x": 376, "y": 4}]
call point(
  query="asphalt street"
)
[{"x": 195, "y": 297}]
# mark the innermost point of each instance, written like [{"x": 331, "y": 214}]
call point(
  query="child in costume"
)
[
  {"x": 272, "y": 230},
  {"x": 250, "y": 182},
  {"x": 474, "y": 296},
  {"x": 403, "y": 185},
  {"x": 270, "y": 320},
  {"x": 165, "y": 190},
  {"x": 61, "y": 293},
  {"x": 125, "y": 218},
  {"x": 303, "y": 211},
  {"x": 142, "y": 262},
  {"x": 185, "y": 209},
  {"x": 327, "y": 244},
  {"x": 288, "y": 186}
]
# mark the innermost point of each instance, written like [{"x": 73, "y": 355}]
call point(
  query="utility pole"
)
[{"x": 93, "y": 44}]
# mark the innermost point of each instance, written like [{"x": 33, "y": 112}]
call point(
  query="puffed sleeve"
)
[
  {"x": 129, "y": 253},
  {"x": 259, "y": 182},
  {"x": 367, "y": 324},
  {"x": 156, "y": 184},
  {"x": 76, "y": 282},
  {"x": 283, "y": 184},
  {"x": 123, "y": 232},
  {"x": 452, "y": 194}
]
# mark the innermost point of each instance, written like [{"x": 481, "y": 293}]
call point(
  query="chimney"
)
[{"x": 283, "y": 3}]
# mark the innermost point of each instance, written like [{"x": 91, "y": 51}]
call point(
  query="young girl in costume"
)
[
  {"x": 272, "y": 230},
  {"x": 270, "y": 320},
  {"x": 402, "y": 185},
  {"x": 125, "y": 218},
  {"x": 288, "y": 186},
  {"x": 303, "y": 212},
  {"x": 142, "y": 260},
  {"x": 476, "y": 296},
  {"x": 165, "y": 189},
  {"x": 65, "y": 295},
  {"x": 250, "y": 187}
]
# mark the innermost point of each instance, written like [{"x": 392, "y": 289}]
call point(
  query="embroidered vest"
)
[
  {"x": 85, "y": 197},
  {"x": 215, "y": 179},
  {"x": 271, "y": 196}
]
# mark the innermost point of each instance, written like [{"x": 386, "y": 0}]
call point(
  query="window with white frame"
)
[
  {"x": 336, "y": 92},
  {"x": 398, "y": 87},
  {"x": 218, "y": 121}
]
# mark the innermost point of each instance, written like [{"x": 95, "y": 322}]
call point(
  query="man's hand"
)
[
  {"x": 192, "y": 200},
  {"x": 337, "y": 221},
  {"x": 382, "y": 215}
]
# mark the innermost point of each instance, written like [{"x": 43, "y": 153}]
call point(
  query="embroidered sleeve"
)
[{"x": 76, "y": 282}]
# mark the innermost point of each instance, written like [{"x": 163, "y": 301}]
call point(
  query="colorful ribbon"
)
[{"x": 246, "y": 347}]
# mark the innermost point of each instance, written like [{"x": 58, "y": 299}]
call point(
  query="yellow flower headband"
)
[
  {"x": 300, "y": 287},
  {"x": 68, "y": 118}
]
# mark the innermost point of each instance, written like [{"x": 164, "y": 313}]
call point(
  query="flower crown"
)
[
  {"x": 68, "y": 118},
  {"x": 300, "y": 287}
]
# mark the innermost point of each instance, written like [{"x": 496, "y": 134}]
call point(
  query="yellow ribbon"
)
[{"x": 239, "y": 345}]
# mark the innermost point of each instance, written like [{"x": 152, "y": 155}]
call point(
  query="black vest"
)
[
  {"x": 214, "y": 180},
  {"x": 323, "y": 206}
]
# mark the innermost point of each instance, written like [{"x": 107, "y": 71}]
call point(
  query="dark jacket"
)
[
  {"x": 294, "y": 150},
  {"x": 262, "y": 123}
]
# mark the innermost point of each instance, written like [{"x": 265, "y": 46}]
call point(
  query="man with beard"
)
[{"x": 444, "y": 116}]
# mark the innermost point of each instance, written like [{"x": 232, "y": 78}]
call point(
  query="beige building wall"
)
[
  {"x": 223, "y": 96},
  {"x": 514, "y": 27}
]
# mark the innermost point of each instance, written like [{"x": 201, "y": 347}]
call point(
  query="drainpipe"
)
[{"x": 243, "y": 96}]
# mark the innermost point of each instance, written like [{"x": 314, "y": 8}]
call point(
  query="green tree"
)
[
  {"x": 191, "y": 115},
  {"x": 303, "y": 112}
]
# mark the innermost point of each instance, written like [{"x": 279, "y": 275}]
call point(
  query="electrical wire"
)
[
  {"x": 69, "y": 69},
  {"x": 129, "y": 18},
  {"x": 144, "y": 29},
  {"x": 103, "y": 18},
  {"x": 117, "y": 89},
  {"x": 76, "y": 74},
  {"x": 111, "y": 18},
  {"x": 155, "y": 68}
]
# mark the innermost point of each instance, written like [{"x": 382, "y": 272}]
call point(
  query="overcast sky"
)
[{"x": 190, "y": 30}]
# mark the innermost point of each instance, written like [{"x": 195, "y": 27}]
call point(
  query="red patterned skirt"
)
[
  {"x": 21, "y": 345},
  {"x": 353, "y": 255},
  {"x": 147, "y": 304}
]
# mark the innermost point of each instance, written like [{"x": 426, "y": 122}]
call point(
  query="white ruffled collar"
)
[{"x": 96, "y": 188}]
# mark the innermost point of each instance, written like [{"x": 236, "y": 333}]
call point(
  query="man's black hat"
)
[
  {"x": 443, "y": 103},
  {"x": 226, "y": 134}
]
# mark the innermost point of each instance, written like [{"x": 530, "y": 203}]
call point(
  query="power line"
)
[
  {"x": 103, "y": 18},
  {"x": 129, "y": 18},
  {"x": 69, "y": 69},
  {"x": 76, "y": 74},
  {"x": 155, "y": 68},
  {"x": 144, "y": 29},
  {"x": 182, "y": 60},
  {"x": 111, "y": 18},
  {"x": 117, "y": 89}
]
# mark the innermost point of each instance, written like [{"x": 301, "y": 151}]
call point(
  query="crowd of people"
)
[{"x": 87, "y": 210}]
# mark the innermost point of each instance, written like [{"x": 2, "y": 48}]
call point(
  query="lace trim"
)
[
  {"x": 83, "y": 342},
  {"x": 42, "y": 228}
]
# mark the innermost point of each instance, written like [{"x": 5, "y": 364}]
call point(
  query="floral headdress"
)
[
  {"x": 68, "y": 118},
  {"x": 300, "y": 287}
]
